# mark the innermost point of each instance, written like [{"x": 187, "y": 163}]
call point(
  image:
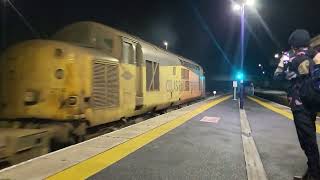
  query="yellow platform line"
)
[
  {"x": 99, "y": 162},
  {"x": 278, "y": 110}
]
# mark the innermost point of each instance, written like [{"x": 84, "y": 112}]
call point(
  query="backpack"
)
[{"x": 310, "y": 88}]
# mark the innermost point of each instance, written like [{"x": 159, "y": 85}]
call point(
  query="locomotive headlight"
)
[
  {"x": 72, "y": 100},
  {"x": 59, "y": 74},
  {"x": 31, "y": 97}
]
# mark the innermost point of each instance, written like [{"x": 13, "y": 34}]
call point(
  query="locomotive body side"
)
[{"x": 148, "y": 78}]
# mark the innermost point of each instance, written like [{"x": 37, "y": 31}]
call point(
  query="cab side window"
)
[
  {"x": 104, "y": 41},
  {"x": 108, "y": 43},
  {"x": 128, "y": 53}
]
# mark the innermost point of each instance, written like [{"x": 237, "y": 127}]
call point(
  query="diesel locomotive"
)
[{"x": 86, "y": 75}]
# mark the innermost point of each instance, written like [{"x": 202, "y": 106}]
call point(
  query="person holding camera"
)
[{"x": 297, "y": 66}]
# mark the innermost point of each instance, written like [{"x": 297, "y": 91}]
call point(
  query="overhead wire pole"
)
[
  {"x": 3, "y": 24},
  {"x": 34, "y": 32}
]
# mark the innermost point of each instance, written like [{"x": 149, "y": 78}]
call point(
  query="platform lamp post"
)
[
  {"x": 240, "y": 77},
  {"x": 241, "y": 6}
]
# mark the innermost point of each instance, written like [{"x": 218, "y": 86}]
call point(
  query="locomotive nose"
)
[{"x": 32, "y": 75}]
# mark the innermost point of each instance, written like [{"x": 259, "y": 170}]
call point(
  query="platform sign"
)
[{"x": 235, "y": 84}]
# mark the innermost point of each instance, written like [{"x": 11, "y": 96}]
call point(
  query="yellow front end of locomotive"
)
[{"x": 40, "y": 79}]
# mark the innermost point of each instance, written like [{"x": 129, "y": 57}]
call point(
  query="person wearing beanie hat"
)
[
  {"x": 300, "y": 38},
  {"x": 294, "y": 66}
]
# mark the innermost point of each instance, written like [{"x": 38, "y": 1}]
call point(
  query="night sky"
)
[{"x": 197, "y": 29}]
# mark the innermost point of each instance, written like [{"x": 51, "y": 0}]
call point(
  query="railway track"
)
[{"x": 279, "y": 97}]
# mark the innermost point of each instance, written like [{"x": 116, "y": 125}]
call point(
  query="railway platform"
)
[{"x": 212, "y": 139}]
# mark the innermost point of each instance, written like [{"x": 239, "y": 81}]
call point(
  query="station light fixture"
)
[
  {"x": 240, "y": 76},
  {"x": 236, "y": 7},
  {"x": 166, "y": 44},
  {"x": 250, "y": 3}
]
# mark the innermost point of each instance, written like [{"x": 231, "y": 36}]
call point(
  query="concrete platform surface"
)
[
  {"x": 53, "y": 163},
  {"x": 198, "y": 150},
  {"x": 195, "y": 150},
  {"x": 209, "y": 140},
  {"x": 276, "y": 139}
]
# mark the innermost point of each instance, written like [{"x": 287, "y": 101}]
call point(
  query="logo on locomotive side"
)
[
  {"x": 174, "y": 85},
  {"x": 127, "y": 75}
]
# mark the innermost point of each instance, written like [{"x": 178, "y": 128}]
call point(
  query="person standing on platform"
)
[{"x": 294, "y": 66}]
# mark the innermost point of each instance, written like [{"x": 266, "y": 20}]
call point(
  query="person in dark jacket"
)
[{"x": 294, "y": 66}]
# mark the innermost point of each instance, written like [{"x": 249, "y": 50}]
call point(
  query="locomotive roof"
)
[{"x": 86, "y": 26}]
